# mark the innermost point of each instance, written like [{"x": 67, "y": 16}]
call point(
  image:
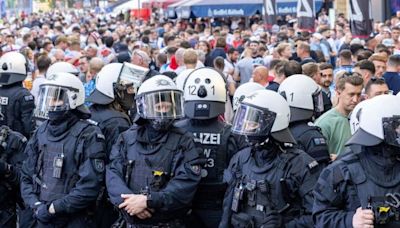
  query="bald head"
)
[
  {"x": 95, "y": 65},
  {"x": 260, "y": 75}
]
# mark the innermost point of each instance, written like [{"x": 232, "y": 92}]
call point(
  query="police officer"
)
[
  {"x": 205, "y": 96},
  {"x": 305, "y": 100},
  {"x": 12, "y": 145},
  {"x": 16, "y": 102},
  {"x": 270, "y": 183},
  {"x": 362, "y": 188},
  {"x": 107, "y": 114},
  {"x": 62, "y": 176},
  {"x": 154, "y": 169},
  {"x": 58, "y": 67},
  {"x": 106, "y": 110}
]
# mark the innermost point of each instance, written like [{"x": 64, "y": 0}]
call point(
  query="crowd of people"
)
[{"x": 230, "y": 125}]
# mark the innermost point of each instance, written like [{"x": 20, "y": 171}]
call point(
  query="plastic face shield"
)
[
  {"x": 252, "y": 121},
  {"x": 391, "y": 130},
  {"x": 132, "y": 75},
  {"x": 161, "y": 105},
  {"x": 51, "y": 98}
]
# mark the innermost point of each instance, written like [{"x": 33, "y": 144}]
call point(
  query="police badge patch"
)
[{"x": 99, "y": 165}]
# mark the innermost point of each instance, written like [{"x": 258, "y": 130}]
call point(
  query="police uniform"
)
[
  {"x": 310, "y": 139},
  {"x": 269, "y": 188},
  {"x": 65, "y": 168},
  {"x": 217, "y": 146},
  {"x": 162, "y": 165},
  {"x": 17, "y": 105},
  {"x": 363, "y": 179},
  {"x": 367, "y": 176},
  {"x": 12, "y": 145},
  {"x": 111, "y": 123}
]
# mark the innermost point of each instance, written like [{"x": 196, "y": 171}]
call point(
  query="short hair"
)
[
  {"x": 345, "y": 54},
  {"x": 61, "y": 39},
  {"x": 382, "y": 48},
  {"x": 363, "y": 54},
  {"x": 366, "y": 65},
  {"x": 185, "y": 44},
  {"x": 145, "y": 57},
  {"x": 43, "y": 63},
  {"x": 274, "y": 63},
  {"x": 281, "y": 47},
  {"x": 356, "y": 47},
  {"x": 190, "y": 56},
  {"x": 221, "y": 43},
  {"x": 324, "y": 66},
  {"x": 374, "y": 81},
  {"x": 310, "y": 69},
  {"x": 354, "y": 79},
  {"x": 291, "y": 68},
  {"x": 108, "y": 41},
  {"x": 162, "y": 58},
  {"x": 96, "y": 64},
  {"x": 378, "y": 57},
  {"x": 219, "y": 63},
  {"x": 305, "y": 47},
  {"x": 26, "y": 37},
  {"x": 394, "y": 61},
  {"x": 232, "y": 50}
]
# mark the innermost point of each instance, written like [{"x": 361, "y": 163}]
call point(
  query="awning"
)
[
  {"x": 221, "y": 8},
  {"x": 231, "y": 8}
]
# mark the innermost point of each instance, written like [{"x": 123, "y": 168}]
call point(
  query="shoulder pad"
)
[
  {"x": 79, "y": 127},
  {"x": 349, "y": 158},
  {"x": 179, "y": 130},
  {"x": 181, "y": 123},
  {"x": 243, "y": 155}
]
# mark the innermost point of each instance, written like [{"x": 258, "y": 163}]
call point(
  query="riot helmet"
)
[
  {"x": 303, "y": 95},
  {"x": 181, "y": 78},
  {"x": 106, "y": 79},
  {"x": 244, "y": 90},
  {"x": 13, "y": 68},
  {"x": 355, "y": 116},
  {"x": 379, "y": 122},
  {"x": 204, "y": 94},
  {"x": 262, "y": 114},
  {"x": 62, "y": 67},
  {"x": 61, "y": 92},
  {"x": 159, "y": 101}
]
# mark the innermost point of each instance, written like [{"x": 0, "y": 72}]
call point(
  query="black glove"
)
[
  {"x": 4, "y": 168},
  {"x": 272, "y": 220},
  {"x": 42, "y": 214}
]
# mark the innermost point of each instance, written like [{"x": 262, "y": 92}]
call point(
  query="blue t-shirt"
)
[{"x": 392, "y": 79}]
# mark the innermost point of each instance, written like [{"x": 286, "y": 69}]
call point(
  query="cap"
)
[{"x": 388, "y": 42}]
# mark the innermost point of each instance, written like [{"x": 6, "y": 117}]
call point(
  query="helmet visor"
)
[
  {"x": 160, "y": 105},
  {"x": 391, "y": 130},
  {"x": 318, "y": 100},
  {"x": 252, "y": 121},
  {"x": 51, "y": 98}
]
